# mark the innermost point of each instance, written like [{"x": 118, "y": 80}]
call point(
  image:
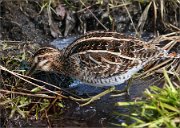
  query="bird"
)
[{"x": 99, "y": 58}]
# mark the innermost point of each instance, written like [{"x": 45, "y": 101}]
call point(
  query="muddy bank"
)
[{"x": 41, "y": 22}]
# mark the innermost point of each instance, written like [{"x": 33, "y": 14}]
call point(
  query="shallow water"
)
[{"x": 100, "y": 112}]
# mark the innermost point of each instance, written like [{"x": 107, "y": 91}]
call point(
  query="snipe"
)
[{"x": 99, "y": 58}]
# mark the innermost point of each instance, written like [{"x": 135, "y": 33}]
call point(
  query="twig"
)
[
  {"x": 27, "y": 94},
  {"x": 53, "y": 102},
  {"x": 130, "y": 18},
  {"x": 18, "y": 76},
  {"x": 121, "y": 5},
  {"x": 94, "y": 16},
  {"x": 154, "y": 68},
  {"x": 61, "y": 89}
]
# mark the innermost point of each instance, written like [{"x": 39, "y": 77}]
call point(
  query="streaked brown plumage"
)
[{"x": 99, "y": 58}]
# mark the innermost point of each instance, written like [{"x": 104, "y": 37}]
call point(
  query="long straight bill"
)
[{"x": 32, "y": 69}]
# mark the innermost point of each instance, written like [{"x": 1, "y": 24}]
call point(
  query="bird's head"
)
[{"x": 46, "y": 59}]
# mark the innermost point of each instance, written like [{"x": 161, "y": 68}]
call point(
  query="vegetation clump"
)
[
  {"x": 23, "y": 95},
  {"x": 159, "y": 108}
]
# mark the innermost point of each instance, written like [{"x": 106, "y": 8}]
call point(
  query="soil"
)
[
  {"x": 24, "y": 21},
  {"x": 17, "y": 26},
  {"x": 28, "y": 21}
]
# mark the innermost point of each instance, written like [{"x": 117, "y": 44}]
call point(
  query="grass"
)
[{"x": 160, "y": 108}]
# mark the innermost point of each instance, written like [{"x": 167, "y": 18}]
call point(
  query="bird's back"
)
[{"x": 108, "y": 58}]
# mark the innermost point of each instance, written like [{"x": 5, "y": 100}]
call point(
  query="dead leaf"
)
[
  {"x": 70, "y": 22},
  {"x": 143, "y": 17},
  {"x": 55, "y": 31},
  {"x": 61, "y": 11}
]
